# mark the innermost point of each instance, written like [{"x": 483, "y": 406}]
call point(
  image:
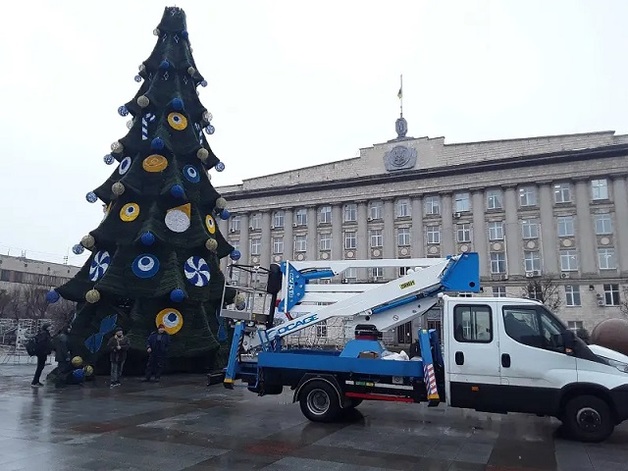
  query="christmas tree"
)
[{"x": 155, "y": 255}]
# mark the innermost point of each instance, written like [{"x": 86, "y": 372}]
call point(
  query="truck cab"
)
[{"x": 513, "y": 355}]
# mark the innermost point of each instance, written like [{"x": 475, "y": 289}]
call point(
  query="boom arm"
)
[{"x": 383, "y": 305}]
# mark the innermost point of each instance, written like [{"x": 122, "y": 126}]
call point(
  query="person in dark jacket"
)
[
  {"x": 61, "y": 346},
  {"x": 118, "y": 346},
  {"x": 157, "y": 347},
  {"x": 44, "y": 348}
]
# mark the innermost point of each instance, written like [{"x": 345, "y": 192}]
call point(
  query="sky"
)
[{"x": 290, "y": 84}]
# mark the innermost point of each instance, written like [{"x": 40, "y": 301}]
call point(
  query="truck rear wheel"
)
[
  {"x": 588, "y": 419},
  {"x": 319, "y": 401}
]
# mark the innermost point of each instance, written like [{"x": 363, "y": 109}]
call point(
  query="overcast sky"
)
[{"x": 291, "y": 84}]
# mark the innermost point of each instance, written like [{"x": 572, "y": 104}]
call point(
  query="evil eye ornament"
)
[
  {"x": 210, "y": 223},
  {"x": 177, "y": 121},
  {"x": 191, "y": 174},
  {"x": 197, "y": 271},
  {"x": 99, "y": 265},
  {"x": 171, "y": 319},
  {"x": 125, "y": 165},
  {"x": 129, "y": 212},
  {"x": 145, "y": 266}
]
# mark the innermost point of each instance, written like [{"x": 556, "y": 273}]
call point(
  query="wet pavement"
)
[{"x": 180, "y": 424}]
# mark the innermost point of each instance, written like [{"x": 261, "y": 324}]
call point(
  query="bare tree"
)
[
  {"x": 5, "y": 301},
  {"x": 34, "y": 299},
  {"x": 545, "y": 290},
  {"x": 623, "y": 302}
]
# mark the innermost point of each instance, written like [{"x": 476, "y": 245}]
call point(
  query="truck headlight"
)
[{"x": 620, "y": 365}]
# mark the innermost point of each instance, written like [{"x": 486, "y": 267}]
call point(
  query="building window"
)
[
  {"x": 377, "y": 240},
  {"x": 499, "y": 291},
  {"x": 568, "y": 260},
  {"x": 572, "y": 295},
  {"x": 473, "y": 324},
  {"x": 431, "y": 204},
  {"x": 278, "y": 218},
  {"x": 350, "y": 274},
  {"x": 375, "y": 210},
  {"x": 402, "y": 208},
  {"x": 565, "y": 226},
  {"x": 494, "y": 199},
  {"x": 324, "y": 241},
  {"x": 603, "y": 224},
  {"x": 562, "y": 193},
  {"x": 462, "y": 202},
  {"x": 527, "y": 196},
  {"x": 403, "y": 271},
  {"x": 606, "y": 258},
  {"x": 498, "y": 262},
  {"x": 277, "y": 244},
  {"x": 403, "y": 236},
  {"x": 321, "y": 330},
  {"x": 350, "y": 212},
  {"x": 496, "y": 230},
  {"x": 611, "y": 295},
  {"x": 599, "y": 189},
  {"x": 256, "y": 246},
  {"x": 530, "y": 229},
  {"x": 300, "y": 217},
  {"x": 532, "y": 260},
  {"x": 234, "y": 224},
  {"x": 350, "y": 240},
  {"x": 376, "y": 273},
  {"x": 433, "y": 234},
  {"x": 404, "y": 333},
  {"x": 235, "y": 244},
  {"x": 463, "y": 232},
  {"x": 575, "y": 325},
  {"x": 300, "y": 243},
  {"x": 256, "y": 222},
  {"x": 324, "y": 215}
]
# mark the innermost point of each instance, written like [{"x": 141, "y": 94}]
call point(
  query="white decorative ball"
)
[
  {"x": 211, "y": 244},
  {"x": 117, "y": 188},
  {"x": 92, "y": 296},
  {"x": 116, "y": 147},
  {"x": 129, "y": 124},
  {"x": 88, "y": 241},
  {"x": 143, "y": 101},
  {"x": 191, "y": 70},
  {"x": 221, "y": 203},
  {"x": 142, "y": 67},
  {"x": 202, "y": 153},
  {"x": 156, "y": 32}
]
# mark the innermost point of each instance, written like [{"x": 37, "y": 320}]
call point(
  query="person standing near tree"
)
[
  {"x": 62, "y": 354},
  {"x": 43, "y": 348},
  {"x": 118, "y": 346},
  {"x": 157, "y": 346}
]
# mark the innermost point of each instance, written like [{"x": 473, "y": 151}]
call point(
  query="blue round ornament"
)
[
  {"x": 164, "y": 65},
  {"x": 78, "y": 374},
  {"x": 235, "y": 254},
  {"x": 123, "y": 111},
  {"x": 145, "y": 266},
  {"x": 177, "y": 104},
  {"x": 52, "y": 296},
  {"x": 157, "y": 143},
  {"x": 147, "y": 238},
  {"x": 177, "y": 295},
  {"x": 78, "y": 249},
  {"x": 91, "y": 197},
  {"x": 204, "y": 83},
  {"x": 108, "y": 159},
  {"x": 184, "y": 33},
  {"x": 219, "y": 167},
  {"x": 177, "y": 191},
  {"x": 137, "y": 78},
  {"x": 225, "y": 214},
  {"x": 210, "y": 129}
]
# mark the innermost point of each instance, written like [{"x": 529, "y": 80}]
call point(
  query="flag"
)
[{"x": 400, "y": 93}]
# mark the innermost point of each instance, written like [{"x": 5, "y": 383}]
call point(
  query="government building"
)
[{"x": 544, "y": 213}]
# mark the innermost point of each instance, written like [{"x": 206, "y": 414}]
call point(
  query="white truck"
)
[{"x": 500, "y": 354}]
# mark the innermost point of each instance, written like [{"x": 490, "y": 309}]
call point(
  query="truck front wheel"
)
[
  {"x": 319, "y": 401},
  {"x": 588, "y": 419}
]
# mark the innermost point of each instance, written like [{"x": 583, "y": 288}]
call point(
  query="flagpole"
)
[{"x": 401, "y": 93}]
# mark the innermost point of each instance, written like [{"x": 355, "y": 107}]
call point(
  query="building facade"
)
[
  {"x": 17, "y": 272},
  {"x": 544, "y": 213}
]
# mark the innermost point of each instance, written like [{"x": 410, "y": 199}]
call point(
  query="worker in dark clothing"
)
[
  {"x": 415, "y": 349},
  {"x": 61, "y": 345},
  {"x": 157, "y": 346},
  {"x": 43, "y": 349}
]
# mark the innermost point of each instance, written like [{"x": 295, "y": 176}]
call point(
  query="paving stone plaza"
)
[{"x": 181, "y": 424}]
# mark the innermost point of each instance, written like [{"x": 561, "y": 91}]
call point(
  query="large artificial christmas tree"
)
[{"x": 155, "y": 255}]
